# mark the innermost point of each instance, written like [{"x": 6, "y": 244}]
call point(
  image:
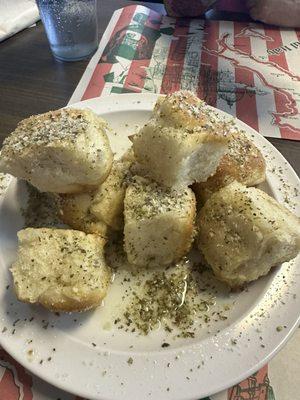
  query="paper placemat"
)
[{"x": 248, "y": 70}]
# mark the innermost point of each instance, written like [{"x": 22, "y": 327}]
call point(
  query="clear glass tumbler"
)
[{"x": 71, "y": 27}]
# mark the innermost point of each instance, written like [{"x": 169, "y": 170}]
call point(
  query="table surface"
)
[{"x": 32, "y": 81}]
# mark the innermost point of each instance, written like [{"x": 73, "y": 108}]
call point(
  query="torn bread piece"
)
[
  {"x": 63, "y": 270},
  {"x": 74, "y": 210},
  {"x": 101, "y": 210},
  {"x": 243, "y": 163},
  {"x": 63, "y": 151},
  {"x": 159, "y": 223},
  {"x": 183, "y": 142},
  {"x": 243, "y": 233},
  {"x": 181, "y": 109},
  {"x": 108, "y": 201}
]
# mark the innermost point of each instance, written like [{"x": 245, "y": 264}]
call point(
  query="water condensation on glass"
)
[{"x": 71, "y": 27}]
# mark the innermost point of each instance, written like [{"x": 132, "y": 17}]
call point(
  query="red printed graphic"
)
[
  {"x": 175, "y": 60},
  {"x": 137, "y": 73},
  {"x": 15, "y": 383},
  {"x": 246, "y": 109},
  {"x": 148, "y": 52},
  {"x": 256, "y": 387},
  {"x": 97, "y": 82},
  {"x": 249, "y": 31},
  {"x": 207, "y": 85},
  {"x": 287, "y": 115},
  {"x": 285, "y": 104}
]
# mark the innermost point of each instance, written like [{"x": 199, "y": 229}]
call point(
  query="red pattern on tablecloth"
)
[
  {"x": 15, "y": 383},
  {"x": 256, "y": 387},
  {"x": 97, "y": 83},
  {"x": 209, "y": 62},
  {"x": 246, "y": 109},
  {"x": 175, "y": 58}
]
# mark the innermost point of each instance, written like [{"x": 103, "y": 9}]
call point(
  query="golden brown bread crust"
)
[
  {"x": 101, "y": 210},
  {"x": 183, "y": 141},
  {"x": 243, "y": 163},
  {"x": 62, "y": 151},
  {"x": 159, "y": 223},
  {"x": 181, "y": 108},
  {"x": 74, "y": 210},
  {"x": 184, "y": 110},
  {"x": 243, "y": 233},
  {"x": 108, "y": 200},
  {"x": 61, "y": 269},
  {"x": 65, "y": 302}
]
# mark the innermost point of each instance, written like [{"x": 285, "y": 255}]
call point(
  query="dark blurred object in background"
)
[{"x": 274, "y": 12}]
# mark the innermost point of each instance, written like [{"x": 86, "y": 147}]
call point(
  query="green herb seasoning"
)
[
  {"x": 41, "y": 209},
  {"x": 179, "y": 298}
]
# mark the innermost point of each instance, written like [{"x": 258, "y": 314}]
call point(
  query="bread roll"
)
[
  {"x": 243, "y": 233},
  {"x": 108, "y": 200},
  {"x": 63, "y": 270},
  {"x": 182, "y": 143},
  {"x": 74, "y": 210},
  {"x": 243, "y": 163},
  {"x": 63, "y": 151},
  {"x": 159, "y": 223}
]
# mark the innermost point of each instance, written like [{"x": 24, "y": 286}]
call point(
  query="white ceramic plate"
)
[{"x": 91, "y": 360}]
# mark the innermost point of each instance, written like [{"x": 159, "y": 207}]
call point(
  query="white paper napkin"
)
[{"x": 16, "y": 15}]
